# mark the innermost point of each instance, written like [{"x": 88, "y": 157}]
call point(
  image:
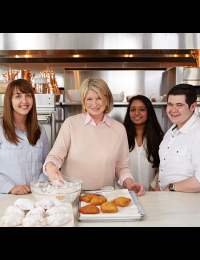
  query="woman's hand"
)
[
  {"x": 20, "y": 189},
  {"x": 155, "y": 184},
  {"x": 53, "y": 173},
  {"x": 136, "y": 187}
]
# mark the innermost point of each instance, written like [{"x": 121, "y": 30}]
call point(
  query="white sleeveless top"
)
[{"x": 140, "y": 167}]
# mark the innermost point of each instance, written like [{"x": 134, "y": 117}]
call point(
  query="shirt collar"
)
[
  {"x": 89, "y": 120},
  {"x": 186, "y": 127}
]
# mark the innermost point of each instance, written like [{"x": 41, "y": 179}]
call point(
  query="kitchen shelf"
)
[
  {"x": 115, "y": 104},
  {"x": 159, "y": 103}
]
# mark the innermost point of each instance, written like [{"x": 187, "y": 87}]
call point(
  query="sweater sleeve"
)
[
  {"x": 122, "y": 165},
  {"x": 61, "y": 146}
]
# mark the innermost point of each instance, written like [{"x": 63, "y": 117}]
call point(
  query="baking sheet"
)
[{"x": 132, "y": 212}]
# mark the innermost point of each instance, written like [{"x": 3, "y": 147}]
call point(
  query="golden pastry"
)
[
  {"x": 122, "y": 201},
  {"x": 87, "y": 197},
  {"x": 98, "y": 200},
  {"x": 109, "y": 207},
  {"x": 89, "y": 209}
]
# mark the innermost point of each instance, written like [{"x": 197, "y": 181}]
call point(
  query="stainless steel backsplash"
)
[{"x": 132, "y": 82}]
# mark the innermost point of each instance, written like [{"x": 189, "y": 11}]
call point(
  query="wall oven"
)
[{"x": 45, "y": 104}]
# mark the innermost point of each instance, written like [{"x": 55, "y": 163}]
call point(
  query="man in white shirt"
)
[{"x": 180, "y": 149}]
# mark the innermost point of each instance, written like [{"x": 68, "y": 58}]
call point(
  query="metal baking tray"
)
[{"x": 102, "y": 217}]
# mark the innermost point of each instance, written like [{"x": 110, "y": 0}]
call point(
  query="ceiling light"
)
[{"x": 76, "y": 55}]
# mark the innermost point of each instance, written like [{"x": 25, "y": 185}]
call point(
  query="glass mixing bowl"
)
[{"x": 68, "y": 191}]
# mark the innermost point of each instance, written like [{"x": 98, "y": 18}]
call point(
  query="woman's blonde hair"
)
[
  {"x": 101, "y": 88},
  {"x": 33, "y": 129}
]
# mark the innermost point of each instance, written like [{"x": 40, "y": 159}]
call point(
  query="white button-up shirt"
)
[{"x": 180, "y": 153}]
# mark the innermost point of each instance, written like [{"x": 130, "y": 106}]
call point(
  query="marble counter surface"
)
[{"x": 162, "y": 209}]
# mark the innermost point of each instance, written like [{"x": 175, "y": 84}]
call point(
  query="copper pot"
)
[{"x": 26, "y": 74}]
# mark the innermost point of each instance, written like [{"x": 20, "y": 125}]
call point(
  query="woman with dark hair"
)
[
  {"x": 144, "y": 137},
  {"x": 23, "y": 143}
]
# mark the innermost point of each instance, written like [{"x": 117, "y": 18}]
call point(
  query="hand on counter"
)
[
  {"x": 136, "y": 187},
  {"x": 20, "y": 189}
]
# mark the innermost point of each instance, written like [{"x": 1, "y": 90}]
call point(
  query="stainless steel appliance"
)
[
  {"x": 177, "y": 75},
  {"x": 45, "y": 104}
]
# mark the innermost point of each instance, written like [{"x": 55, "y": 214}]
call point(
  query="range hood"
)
[
  {"x": 98, "y": 41},
  {"x": 116, "y": 59},
  {"x": 111, "y": 50}
]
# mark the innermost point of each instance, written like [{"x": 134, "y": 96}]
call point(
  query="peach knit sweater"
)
[{"x": 94, "y": 154}]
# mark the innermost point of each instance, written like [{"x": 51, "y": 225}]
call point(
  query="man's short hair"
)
[{"x": 184, "y": 89}]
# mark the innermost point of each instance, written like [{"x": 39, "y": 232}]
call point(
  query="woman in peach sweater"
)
[{"x": 92, "y": 146}]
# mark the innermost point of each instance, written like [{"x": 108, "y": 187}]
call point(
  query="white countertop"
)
[{"x": 162, "y": 209}]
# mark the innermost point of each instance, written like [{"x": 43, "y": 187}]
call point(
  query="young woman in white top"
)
[{"x": 144, "y": 137}]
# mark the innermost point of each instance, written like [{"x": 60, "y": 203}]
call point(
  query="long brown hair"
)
[
  {"x": 33, "y": 129},
  {"x": 153, "y": 131}
]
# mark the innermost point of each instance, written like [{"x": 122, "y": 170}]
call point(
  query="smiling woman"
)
[
  {"x": 22, "y": 103},
  {"x": 92, "y": 146},
  {"x": 20, "y": 111},
  {"x": 144, "y": 137},
  {"x": 96, "y": 98},
  {"x": 23, "y": 143}
]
